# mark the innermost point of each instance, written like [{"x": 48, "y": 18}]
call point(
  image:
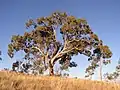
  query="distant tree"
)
[
  {"x": 115, "y": 75},
  {"x": 77, "y": 38},
  {"x": 98, "y": 58},
  {"x": 15, "y": 65},
  {"x": 38, "y": 67},
  {"x": 0, "y": 55},
  {"x": 6, "y": 69},
  {"x": 62, "y": 70},
  {"x": 19, "y": 66}
]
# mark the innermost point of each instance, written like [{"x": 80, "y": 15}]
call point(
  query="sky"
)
[{"x": 103, "y": 16}]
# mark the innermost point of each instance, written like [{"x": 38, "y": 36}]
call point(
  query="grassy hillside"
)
[{"x": 14, "y": 81}]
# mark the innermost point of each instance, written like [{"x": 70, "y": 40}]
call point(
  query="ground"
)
[{"x": 16, "y": 81}]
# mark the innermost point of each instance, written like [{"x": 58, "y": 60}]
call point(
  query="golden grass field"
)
[{"x": 15, "y": 81}]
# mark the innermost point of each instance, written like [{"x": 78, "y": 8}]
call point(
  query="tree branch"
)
[
  {"x": 59, "y": 55},
  {"x": 39, "y": 50},
  {"x": 56, "y": 50},
  {"x": 54, "y": 33}
]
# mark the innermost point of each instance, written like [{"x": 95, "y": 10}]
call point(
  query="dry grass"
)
[{"x": 14, "y": 81}]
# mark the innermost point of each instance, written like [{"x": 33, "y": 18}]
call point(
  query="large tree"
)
[{"x": 43, "y": 41}]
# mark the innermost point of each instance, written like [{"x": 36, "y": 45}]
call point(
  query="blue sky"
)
[{"x": 102, "y": 15}]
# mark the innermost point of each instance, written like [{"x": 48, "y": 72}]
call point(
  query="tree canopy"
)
[{"x": 42, "y": 42}]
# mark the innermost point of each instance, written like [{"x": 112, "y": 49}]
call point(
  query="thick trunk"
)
[{"x": 51, "y": 71}]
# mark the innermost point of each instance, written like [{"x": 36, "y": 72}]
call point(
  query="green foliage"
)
[
  {"x": 100, "y": 53},
  {"x": 77, "y": 36},
  {"x": 115, "y": 74}
]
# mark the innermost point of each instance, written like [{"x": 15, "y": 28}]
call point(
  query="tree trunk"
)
[
  {"x": 90, "y": 77},
  {"x": 51, "y": 71},
  {"x": 100, "y": 72}
]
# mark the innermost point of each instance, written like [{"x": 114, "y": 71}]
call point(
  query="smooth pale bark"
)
[{"x": 100, "y": 69}]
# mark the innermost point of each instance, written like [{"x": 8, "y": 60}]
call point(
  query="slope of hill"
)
[{"x": 15, "y": 81}]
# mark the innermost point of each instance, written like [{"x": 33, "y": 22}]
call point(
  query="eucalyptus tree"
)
[
  {"x": 114, "y": 75},
  {"x": 98, "y": 58},
  {"x": 76, "y": 38}
]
